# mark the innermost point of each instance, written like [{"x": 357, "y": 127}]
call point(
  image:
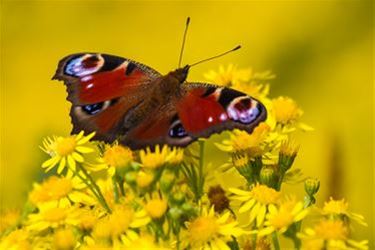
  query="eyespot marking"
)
[
  {"x": 228, "y": 95},
  {"x": 244, "y": 110},
  {"x": 83, "y": 65},
  {"x": 95, "y": 108},
  {"x": 177, "y": 130}
]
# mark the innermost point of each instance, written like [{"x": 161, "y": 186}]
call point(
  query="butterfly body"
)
[{"x": 124, "y": 100}]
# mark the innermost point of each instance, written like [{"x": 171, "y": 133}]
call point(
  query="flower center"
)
[
  {"x": 331, "y": 230},
  {"x": 118, "y": 156},
  {"x": 336, "y": 207},
  {"x": 264, "y": 194},
  {"x": 203, "y": 229},
  {"x": 60, "y": 187},
  {"x": 120, "y": 220},
  {"x": 65, "y": 146},
  {"x": 282, "y": 219}
]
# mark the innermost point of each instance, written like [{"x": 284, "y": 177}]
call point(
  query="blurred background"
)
[{"x": 320, "y": 51}]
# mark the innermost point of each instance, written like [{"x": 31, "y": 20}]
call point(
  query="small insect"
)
[{"x": 121, "y": 99}]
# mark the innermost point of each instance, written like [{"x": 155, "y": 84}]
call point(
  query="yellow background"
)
[{"x": 321, "y": 52}]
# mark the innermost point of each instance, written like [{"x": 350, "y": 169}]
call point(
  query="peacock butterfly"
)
[{"x": 127, "y": 101}]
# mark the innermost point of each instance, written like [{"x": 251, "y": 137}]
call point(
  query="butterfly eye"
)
[
  {"x": 92, "y": 109},
  {"x": 177, "y": 130}
]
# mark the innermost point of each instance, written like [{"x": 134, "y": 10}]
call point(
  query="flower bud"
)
[
  {"x": 156, "y": 208},
  {"x": 178, "y": 198},
  {"x": 144, "y": 179},
  {"x": 241, "y": 162},
  {"x": 167, "y": 181},
  {"x": 175, "y": 213},
  {"x": 312, "y": 186},
  {"x": 287, "y": 154},
  {"x": 268, "y": 177},
  {"x": 131, "y": 177}
]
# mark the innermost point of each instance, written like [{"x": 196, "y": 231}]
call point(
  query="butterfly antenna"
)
[
  {"x": 220, "y": 55},
  {"x": 183, "y": 41}
]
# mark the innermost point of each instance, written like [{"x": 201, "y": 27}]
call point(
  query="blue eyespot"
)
[
  {"x": 177, "y": 130},
  {"x": 92, "y": 109}
]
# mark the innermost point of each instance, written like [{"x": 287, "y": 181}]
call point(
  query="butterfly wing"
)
[
  {"x": 199, "y": 110},
  {"x": 102, "y": 89}
]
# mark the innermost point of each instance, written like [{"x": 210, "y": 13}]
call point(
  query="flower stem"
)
[
  {"x": 96, "y": 188},
  {"x": 275, "y": 240}
]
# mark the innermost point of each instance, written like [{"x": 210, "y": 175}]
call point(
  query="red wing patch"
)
[{"x": 198, "y": 113}]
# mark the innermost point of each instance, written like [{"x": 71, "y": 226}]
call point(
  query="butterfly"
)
[{"x": 121, "y": 99}]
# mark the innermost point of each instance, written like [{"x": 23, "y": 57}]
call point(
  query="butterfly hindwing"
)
[{"x": 199, "y": 110}]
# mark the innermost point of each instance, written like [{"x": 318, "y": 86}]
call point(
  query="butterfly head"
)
[{"x": 181, "y": 73}]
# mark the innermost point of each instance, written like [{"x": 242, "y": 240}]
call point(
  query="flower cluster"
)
[{"x": 106, "y": 196}]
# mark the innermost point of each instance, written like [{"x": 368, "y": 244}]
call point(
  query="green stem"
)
[
  {"x": 200, "y": 170},
  {"x": 96, "y": 187},
  {"x": 115, "y": 189},
  {"x": 275, "y": 240}
]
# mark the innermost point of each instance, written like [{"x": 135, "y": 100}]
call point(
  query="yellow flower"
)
[
  {"x": 16, "y": 240},
  {"x": 118, "y": 156},
  {"x": 257, "y": 201},
  {"x": 242, "y": 141},
  {"x": 228, "y": 76},
  {"x": 9, "y": 219},
  {"x": 340, "y": 208},
  {"x": 286, "y": 110},
  {"x": 155, "y": 159},
  {"x": 210, "y": 231},
  {"x": 120, "y": 223},
  {"x": 67, "y": 152},
  {"x": 240, "y": 160},
  {"x": 144, "y": 179},
  {"x": 64, "y": 239},
  {"x": 50, "y": 216},
  {"x": 62, "y": 190},
  {"x": 156, "y": 208},
  {"x": 289, "y": 148},
  {"x": 176, "y": 156},
  {"x": 333, "y": 234},
  {"x": 280, "y": 218}
]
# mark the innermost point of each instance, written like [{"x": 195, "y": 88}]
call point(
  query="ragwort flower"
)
[
  {"x": 62, "y": 190},
  {"x": 257, "y": 201},
  {"x": 118, "y": 225},
  {"x": 281, "y": 217},
  {"x": 118, "y": 156},
  {"x": 229, "y": 76},
  {"x": 50, "y": 216},
  {"x": 330, "y": 235},
  {"x": 242, "y": 141},
  {"x": 68, "y": 151},
  {"x": 154, "y": 159},
  {"x": 340, "y": 208},
  {"x": 210, "y": 231}
]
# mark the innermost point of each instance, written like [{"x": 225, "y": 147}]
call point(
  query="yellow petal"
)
[
  {"x": 254, "y": 212},
  {"x": 261, "y": 215},
  {"x": 77, "y": 157},
  {"x": 239, "y": 191},
  {"x": 247, "y": 206},
  {"x": 140, "y": 222},
  {"x": 51, "y": 162},
  {"x": 86, "y": 139},
  {"x": 61, "y": 165},
  {"x": 71, "y": 162},
  {"x": 84, "y": 150},
  {"x": 265, "y": 231}
]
